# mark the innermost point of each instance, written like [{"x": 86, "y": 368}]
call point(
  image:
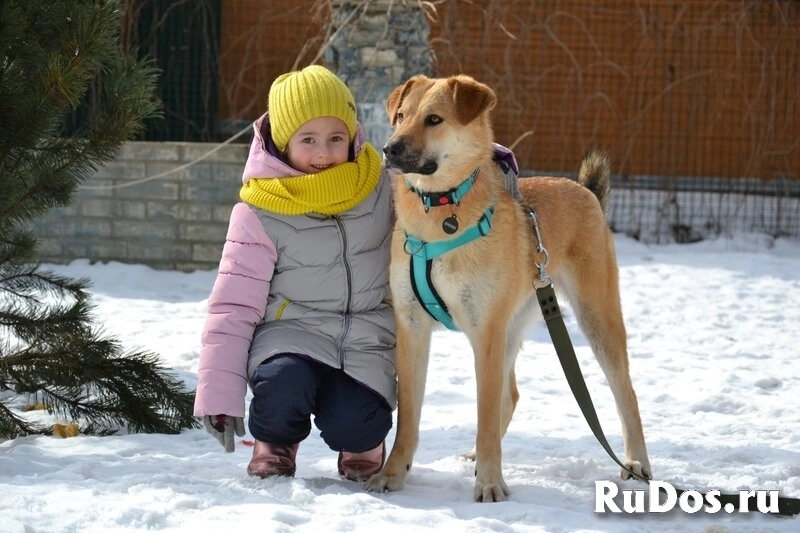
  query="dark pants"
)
[{"x": 289, "y": 388}]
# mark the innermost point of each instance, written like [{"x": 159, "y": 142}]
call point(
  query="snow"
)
[{"x": 713, "y": 339}]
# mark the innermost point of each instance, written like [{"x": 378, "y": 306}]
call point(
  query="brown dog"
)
[{"x": 447, "y": 187}]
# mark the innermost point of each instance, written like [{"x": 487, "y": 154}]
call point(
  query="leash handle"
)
[{"x": 577, "y": 384}]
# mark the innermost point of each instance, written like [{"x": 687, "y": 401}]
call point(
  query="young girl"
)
[{"x": 300, "y": 307}]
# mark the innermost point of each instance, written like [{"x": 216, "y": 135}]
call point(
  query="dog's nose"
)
[{"x": 394, "y": 149}]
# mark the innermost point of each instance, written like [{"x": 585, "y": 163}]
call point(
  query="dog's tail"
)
[{"x": 594, "y": 175}]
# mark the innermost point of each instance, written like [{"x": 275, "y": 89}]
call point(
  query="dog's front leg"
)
[
  {"x": 413, "y": 345},
  {"x": 490, "y": 355}
]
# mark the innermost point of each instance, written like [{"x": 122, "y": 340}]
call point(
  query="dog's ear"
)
[
  {"x": 395, "y": 98},
  {"x": 471, "y": 98}
]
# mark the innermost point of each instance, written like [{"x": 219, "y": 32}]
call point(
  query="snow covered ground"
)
[{"x": 714, "y": 338}]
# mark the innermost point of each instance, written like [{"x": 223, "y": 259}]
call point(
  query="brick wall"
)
[{"x": 176, "y": 222}]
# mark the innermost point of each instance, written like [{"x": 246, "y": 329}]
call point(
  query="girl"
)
[{"x": 300, "y": 307}]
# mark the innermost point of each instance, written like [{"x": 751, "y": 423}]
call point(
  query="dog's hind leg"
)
[
  {"x": 515, "y": 336},
  {"x": 599, "y": 313},
  {"x": 510, "y": 399}
]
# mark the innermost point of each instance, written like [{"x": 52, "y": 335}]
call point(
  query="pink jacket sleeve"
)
[{"x": 237, "y": 303}]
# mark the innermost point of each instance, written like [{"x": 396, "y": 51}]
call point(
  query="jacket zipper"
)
[{"x": 349, "y": 276}]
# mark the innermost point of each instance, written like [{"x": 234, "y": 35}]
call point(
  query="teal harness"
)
[{"x": 423, "y": 253}]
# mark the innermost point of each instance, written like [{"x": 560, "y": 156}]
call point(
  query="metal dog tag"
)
[{"x": 450, "y": 225}]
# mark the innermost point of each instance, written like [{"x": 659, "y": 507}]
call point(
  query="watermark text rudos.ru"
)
[{"x": 661, "y": 497}]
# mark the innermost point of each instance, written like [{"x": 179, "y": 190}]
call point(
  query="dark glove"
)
[{"x": 222, "y": 427}]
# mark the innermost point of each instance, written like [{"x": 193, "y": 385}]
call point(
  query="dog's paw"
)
[
  {"x": 636, "y": 467},
  {"x": 470, "y": 455},
  {"x": 383, "y": 482},
  {"x": 491, "y": 492}
]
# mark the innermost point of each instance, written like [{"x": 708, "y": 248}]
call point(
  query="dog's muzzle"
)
[{"x": 399, "y": 159}]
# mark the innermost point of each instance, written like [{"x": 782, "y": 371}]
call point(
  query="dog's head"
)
[{"x": 442, "y": 127}]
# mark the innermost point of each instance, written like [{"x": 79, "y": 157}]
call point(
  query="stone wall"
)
[
  {"x": 376, "y": 46},
  {"x": 127, "y": 213}
]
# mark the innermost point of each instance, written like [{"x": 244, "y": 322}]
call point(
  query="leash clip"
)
[{"x": 543, "y": 280}]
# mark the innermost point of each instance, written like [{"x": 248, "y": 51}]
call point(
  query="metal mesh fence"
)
[
  {"x": 696, "y": 101},
  {"x": 702, "y": 88}
]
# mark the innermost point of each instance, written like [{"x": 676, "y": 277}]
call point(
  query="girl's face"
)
[{"x": 319, "y": 144}]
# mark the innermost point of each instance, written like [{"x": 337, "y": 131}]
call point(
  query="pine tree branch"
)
[
  {"x": 59, "y": 59},
  {"x": 12, "y": 426}
]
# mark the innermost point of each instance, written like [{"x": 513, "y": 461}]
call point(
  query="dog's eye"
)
[
  {"x": 432, "y": 120},
  {"x": 399, "y": 118}
]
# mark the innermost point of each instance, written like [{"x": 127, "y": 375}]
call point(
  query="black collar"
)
[{"x": 453, "y": 196}]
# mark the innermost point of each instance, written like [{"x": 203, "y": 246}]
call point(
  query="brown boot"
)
[
  {"x": 272, "y": 460},
  {"x": 360, "y": 466}
]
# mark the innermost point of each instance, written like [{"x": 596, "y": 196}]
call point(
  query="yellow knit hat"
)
[{"x": 299, "y": 96}]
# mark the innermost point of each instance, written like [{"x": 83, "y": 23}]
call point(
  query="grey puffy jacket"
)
[{"x": 329, "y": 296}]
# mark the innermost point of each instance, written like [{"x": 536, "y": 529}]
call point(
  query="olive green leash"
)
[{"x": 559, "y": 335}]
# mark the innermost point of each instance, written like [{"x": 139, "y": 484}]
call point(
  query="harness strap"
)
[
  {"x": 422, "y": 255},
  {"x": 430, "y": 250},
  {"x": 423, "y": 289}
]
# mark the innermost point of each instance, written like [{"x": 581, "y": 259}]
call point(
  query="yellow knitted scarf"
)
[{"x": 329, "y": 192}]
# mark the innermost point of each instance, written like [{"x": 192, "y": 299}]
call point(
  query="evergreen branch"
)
[
  {"x": 12, "y": 426},
  {"x": 100, "y": 384},
  {"x": 60, "y": 59},
  {"x": 15, "y": 246}
]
